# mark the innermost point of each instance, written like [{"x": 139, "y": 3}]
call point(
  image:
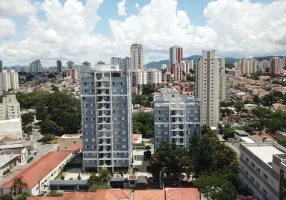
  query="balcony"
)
[
  {"x": 103, "y": 113},
  {"x": 104, "y": 156},
  {"x": 104, "y": 135},
  {"x": 103, "y": 85},
  {"x": 103, "y": 92},
  {"x": 103, "y": 128},
  {"x": 104, "y": 142},
  {"x": 103, "y": 99},
  {"x": 103, "y": 107}
]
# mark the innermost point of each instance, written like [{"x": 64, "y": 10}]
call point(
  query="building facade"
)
[
  {"x": 154, "y": 76},
  {"x": 262, "y": 169},
  {"x": 70, "y": 65},
  {"x": 14, "y": 79},
  {"x": 106, "y": 118},
  {"x": 175, "y": 55},
  {"x": 1, "y": 65},
  {"x": 276, "y": 66},
  {"x": 36, "y": 67},
  {"x": 59, "y": 66},
  {"x": 137, "y": 57},
  {"x": 176, "y": 118},
  {"x": 207, "y": 88},
  {"x": 9, "y": 108}
]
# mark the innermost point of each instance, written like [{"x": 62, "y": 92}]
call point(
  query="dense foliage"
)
[
  {"x": 205, "y": 154},
  {"x": 272, "y": 121},
  {"x": 143, "y": 123},
  {"x": 142, "y": 100},
  {"x": 59, "y": 112},
  {"x": 100, "y": 180},
  {"x": 27, "y": 120}
]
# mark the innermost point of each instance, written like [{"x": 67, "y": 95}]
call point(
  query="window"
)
[
  {"x": 258, "y": 170},
  {"x": 86, "y": 140},
  {"x": 123, "y": 139},
  {"x": 264, "y": 191},
  {"x": 265, "y": 176},
  {"x": 247, "y": 160},
  {"x": 123, "y": 146}
]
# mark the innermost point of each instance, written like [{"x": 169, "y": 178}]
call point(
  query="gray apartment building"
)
[
  {"x": 176, "y": 118},
  {"x": 106, "y": 118},
  {"x": 262, "y": 169}
]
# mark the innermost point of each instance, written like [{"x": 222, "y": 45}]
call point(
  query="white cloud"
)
[
  {"x": 7, "y": 28},
  {"x": 16, "y": 8},
  {"x": 121, "y": 8},
  {"x": 233, "y": 28},
  {"x": 137, "y": 6}
]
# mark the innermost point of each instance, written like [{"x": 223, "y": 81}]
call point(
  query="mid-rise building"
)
[
  {"x": 224, "y": 81},
  {"x": 264, "y": 65},
  {"x": 175, "y": 55},
  {"x": 191, "y": 64},
  {"x": 70, "y": 65},
  {"x": 207, "y": 88},
  {"x": 137, "y": 57},
  {"x": 253, "y": 64},
  {"x": 59, "y": 66},
  {"x": 106, "y": 107},
  {"x": 262, "y": 168},
  {"x": 9, "y": 108},
  {"x": 9, "y": 80},
  {"x": 176, "y": 118},
  {"x": 154, "y": 76},
  {"x": 276, "y": 66},
  {"x": 177, "y": 72},
  {"x": 36, "y": 67},
  {"x": 14, "y": 79},
  {"x": 1, "y": 65},
  {"x": 124, "y": 63}
]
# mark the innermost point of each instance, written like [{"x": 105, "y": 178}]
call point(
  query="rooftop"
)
[
  {"x": 4, "y": 159},
  {"x": 264, "y": 151},
  {"x": 74, "y": 147},
  {"x": 182, "y": 194},
  {"x": 135, "y": 137},
  {"x": 149, "y": 195},
  {"x": 71, "y": 136},
  {"x": 39, "y": 169}
]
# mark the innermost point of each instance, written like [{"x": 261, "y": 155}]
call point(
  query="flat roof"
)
[
  {"x": 247, "y": 139},
  {"x": 4, "y": 159},
  {"x": 264, "y": 152}
]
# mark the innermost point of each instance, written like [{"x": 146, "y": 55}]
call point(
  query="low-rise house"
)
[
  {"x": 68, "y": 140},
  {"x": 149, "y": 194},
  {"x": 12, "y": 128},
  {"x": 182, "y": 194},
  {"x": 136, "y": 138},
  {"x": 279, "y": 106},
  {"x": 22, "y": 153},
  {"x": 38, "y": 175},
  {"x": 7, "y": 162},
  {"x": 280, "y": 135}
]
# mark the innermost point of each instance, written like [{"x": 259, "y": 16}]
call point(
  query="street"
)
[{"x": 41, "y": 149}]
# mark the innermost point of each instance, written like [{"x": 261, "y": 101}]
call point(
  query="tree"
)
[
  {"x": 190, "y": 78},
  {"x": 238, "y": 106},
  {"x": 18, "y": 185},
  {"x": 99, "y": 181},
  {"x": 55, "y": 88},
  {"x": 51, "y": 127},
  {"x": 148, "y": 89},
  {"x": 27, "y": 120},
  {"x": 256, "y": 99},
  {"x": 169, "y": 156},
  {"x": 282, "y": 142},
  {"x": 23, "y": 196},
  {"x": 6, "y": 197},
  {"x": 216, "y": 187},
  {"x": 143, "y": 123}
]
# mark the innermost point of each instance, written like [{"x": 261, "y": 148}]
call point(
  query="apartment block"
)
[
  {"x": 262, "y": 169},
  {"x": 154, "y": 76},
  {"x": 106, "y": 118},
  {"x": 176, "y": 118},
  {"x": 9, "y": 108},
  {"x": 9, "y": 80},
  {"x": 207, "y": 88}
]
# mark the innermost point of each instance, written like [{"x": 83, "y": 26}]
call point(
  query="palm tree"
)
[{"x": 18, "y": 185}]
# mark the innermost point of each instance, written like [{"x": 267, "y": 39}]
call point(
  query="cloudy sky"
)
[{"x": 95, "y": 30}]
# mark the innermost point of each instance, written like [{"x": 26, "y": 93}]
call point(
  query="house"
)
[
  {"x": 142, "y": 183},
  {"x": 22, "y": 153},
  {"x": 117, "y": 182},
  {"x": 182, "y": 194},
  {"x": 279, "y": 106},
  {"x": 69, "y": 140},
  {"x": 7, "y": 162},
  {"x": 105, "y": 194},
  {"x": 38, "y": 175},
  {"x": 136, "y": 138},
  {"x": 149, "y": 194}
]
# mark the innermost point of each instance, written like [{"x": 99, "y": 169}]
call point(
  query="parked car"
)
[
  {"x": 35, "y": 153},
  {"x": 30, "y": 159}
]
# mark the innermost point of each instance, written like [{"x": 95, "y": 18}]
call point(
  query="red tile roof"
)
[
  {"x": 7, "y": 139},
  {"x": 113, "y": 194},
  {"x": 108, "y": 194},
  {"x": 149, "y": 195},
  {"x": 132, "y": 177},
  {"x": 135, "y": 137},
  {"x": 39, "y": 169},
  {"x": 182, "y": 194}
]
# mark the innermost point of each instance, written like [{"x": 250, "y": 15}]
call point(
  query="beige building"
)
[
  {"x": 207, "y": 88},
  {"x": 69, "y": 140},
  {"x": 10, "y": 108}
]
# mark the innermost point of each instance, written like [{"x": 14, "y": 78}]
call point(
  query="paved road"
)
[{"x": 41, "y": 151}]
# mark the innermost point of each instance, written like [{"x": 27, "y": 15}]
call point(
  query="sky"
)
[{"x": 95, "y": 30}]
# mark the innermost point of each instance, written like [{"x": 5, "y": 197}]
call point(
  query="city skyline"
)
[{"x": 194, "y": 26}]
